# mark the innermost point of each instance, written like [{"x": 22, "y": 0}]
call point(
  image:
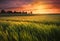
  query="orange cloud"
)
[{"x": 41, "y": 8}]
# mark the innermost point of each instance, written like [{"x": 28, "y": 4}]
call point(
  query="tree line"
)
[{"x": 10, "y": 12}]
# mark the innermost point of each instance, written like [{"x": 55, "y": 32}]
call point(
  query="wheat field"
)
[{"x": 30, "y": 28}]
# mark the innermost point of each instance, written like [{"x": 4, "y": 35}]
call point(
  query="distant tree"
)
[
  {"x": 31, "y": 12},
  {"x": 15, "y": 12},
  {"x": 19, "y": 12},
  {"x": 24, "y": 12},
  {"x": 3, "y": 11},
  {"x": 9, "y": 12}
]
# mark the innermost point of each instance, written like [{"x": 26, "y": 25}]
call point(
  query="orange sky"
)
[{"x": 39, "y": 6}]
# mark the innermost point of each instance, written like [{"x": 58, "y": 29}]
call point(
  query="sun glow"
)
[{"x": 40, "y": 8}]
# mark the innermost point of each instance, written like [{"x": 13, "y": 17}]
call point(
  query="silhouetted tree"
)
[
  {"x": 15, "y": 12},
  {"x": 9, "y": 12},
  {"x": 24, "y": 13},
  {"x": 3, "y": 11},
  {"x": 19, "y": 12},
  {"x": 31, "y": 12}
]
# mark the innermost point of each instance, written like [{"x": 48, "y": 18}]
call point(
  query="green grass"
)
[{"x": 30, "y": 28}]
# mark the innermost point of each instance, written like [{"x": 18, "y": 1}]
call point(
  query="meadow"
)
[{"x": 30, "y": 28}]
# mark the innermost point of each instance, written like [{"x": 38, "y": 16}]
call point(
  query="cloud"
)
[
  {"x": 13, "y": 3},
  {"x": 54, "y": 3},
  {"x": 19, "y": 3}
]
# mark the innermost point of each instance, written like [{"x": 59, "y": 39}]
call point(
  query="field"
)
[{"x": 30, "y": 28}]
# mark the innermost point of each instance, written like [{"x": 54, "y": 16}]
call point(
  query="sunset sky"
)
[{"x": 36, "y": 6}]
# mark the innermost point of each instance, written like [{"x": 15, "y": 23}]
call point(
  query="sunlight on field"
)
[{"x": 32, "y": 18}]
